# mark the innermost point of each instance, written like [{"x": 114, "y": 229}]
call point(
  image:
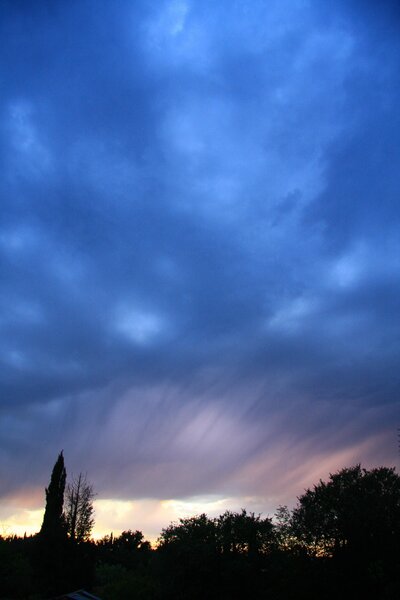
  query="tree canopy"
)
[{"x": 355, "y": 511}]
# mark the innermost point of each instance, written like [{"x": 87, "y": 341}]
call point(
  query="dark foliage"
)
[
  {"x": 16, "y": 571},
  {"x": 53, "y": 526},
  {"x": 354, "y": 519},
  {"x": 128, "y": 550},
  {"x": 55, "y": 562},
  {"x": 123, "y": 567}
]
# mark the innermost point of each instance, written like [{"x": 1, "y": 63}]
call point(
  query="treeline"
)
[{"x": 341, "y": 541}]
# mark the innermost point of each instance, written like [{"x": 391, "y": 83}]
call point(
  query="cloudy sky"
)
[{"x": 199, "y": 250}]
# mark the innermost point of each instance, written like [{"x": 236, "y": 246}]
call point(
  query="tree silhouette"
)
[
  {"x": 79, "y": 509},
  {"x": 244, "y": 533},
  {"x": 341, "y": 541},
  {"x": 53, "y": 526},
  {"x": 357, "y": 513},
  {"x": 215, "y": 558}
]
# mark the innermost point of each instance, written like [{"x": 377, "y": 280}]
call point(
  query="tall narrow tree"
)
[{"x": 53, "y": 525}]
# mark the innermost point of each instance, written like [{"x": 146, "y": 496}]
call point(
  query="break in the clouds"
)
[{"x": 199, "y": 245}]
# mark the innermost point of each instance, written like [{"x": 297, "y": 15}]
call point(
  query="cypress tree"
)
[{"x": 53, "y": 526}]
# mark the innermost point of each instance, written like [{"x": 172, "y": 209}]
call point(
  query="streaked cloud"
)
[{"x": 199, "y": 250}]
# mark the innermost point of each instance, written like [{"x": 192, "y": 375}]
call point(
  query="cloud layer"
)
[{"x": 199, "y": 244}]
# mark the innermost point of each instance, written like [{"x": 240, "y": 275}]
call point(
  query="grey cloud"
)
[{"x": 198, "y": 238}]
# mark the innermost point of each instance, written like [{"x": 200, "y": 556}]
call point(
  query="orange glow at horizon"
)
[{"x": 23, "y": 512}]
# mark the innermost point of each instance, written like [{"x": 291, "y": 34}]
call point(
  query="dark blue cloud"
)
[{"x": 199, "y": 239}]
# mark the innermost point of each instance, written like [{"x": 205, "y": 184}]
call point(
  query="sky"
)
[{"x": 199, "y": 251}]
